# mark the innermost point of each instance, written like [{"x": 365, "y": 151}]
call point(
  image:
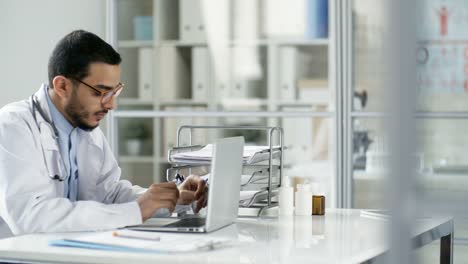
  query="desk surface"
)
[{"x": 341, "y": 236}]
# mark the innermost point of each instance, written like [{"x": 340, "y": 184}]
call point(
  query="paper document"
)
[
  {"x": 144, "y": 242},
  {"x": 245, "y": 179},
  {"x": 248, "y": 198},
  {"x": 252, "y": 154}
]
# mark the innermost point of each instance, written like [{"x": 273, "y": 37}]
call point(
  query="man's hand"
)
[
  {"x": 161, "y": 195},
  {"x": 193, "y": 189}
]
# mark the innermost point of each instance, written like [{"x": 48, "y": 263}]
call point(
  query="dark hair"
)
[{"x": 76, "y": 51}]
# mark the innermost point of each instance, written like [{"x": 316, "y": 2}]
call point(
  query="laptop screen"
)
[{"x": 224, "y": 184}]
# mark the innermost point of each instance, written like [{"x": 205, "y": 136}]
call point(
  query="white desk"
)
[{"x": 341, "y": 236}]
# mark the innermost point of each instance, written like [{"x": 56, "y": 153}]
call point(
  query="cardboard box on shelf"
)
[{"x": 314, "y": 91}]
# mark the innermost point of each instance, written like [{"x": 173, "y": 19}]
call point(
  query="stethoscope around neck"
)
[{"x": 53, "y": 158}]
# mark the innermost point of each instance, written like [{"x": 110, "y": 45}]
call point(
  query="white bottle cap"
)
[{"x": 304, "y": 187}]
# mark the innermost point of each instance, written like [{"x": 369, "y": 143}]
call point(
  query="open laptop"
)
[{"x": 223, "y": 194}]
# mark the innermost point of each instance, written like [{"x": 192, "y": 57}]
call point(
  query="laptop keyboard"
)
[{"x": 188, "y": 222}]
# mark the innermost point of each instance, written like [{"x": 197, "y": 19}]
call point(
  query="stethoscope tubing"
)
[{"x": 35, "y": 107}]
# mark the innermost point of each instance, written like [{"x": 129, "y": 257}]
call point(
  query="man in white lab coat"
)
[{"x": 57, "y": 172}]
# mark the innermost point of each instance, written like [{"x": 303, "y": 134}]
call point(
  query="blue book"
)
[
  {"x": 143, "y": 27},
  {"x": 317, "y": 19}
]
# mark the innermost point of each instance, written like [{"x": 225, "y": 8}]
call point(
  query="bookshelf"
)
[{"x": 250, "y": 67}]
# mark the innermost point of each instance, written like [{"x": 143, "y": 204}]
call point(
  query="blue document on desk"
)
[
  {"x": 89, "y": 245},
  {"x": 166, "y": 244}
]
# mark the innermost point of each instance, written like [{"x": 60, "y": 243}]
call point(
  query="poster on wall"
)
[{"x": 442, "y": 48}]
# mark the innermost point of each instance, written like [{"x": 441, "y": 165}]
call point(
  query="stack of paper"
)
[
  {"x": 245, "y": 179},
  {"x": 252, "y": 154}
]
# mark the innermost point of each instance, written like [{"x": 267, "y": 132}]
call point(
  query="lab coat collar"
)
[
  {"x": 59, "y": 120},
  {"x": 41, "y": 99}
]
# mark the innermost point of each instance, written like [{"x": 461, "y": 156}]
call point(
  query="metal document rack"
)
[{"x": 261, "y": 177}]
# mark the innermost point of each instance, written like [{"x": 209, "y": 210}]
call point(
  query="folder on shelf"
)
[
  {"x": 284, "y": 19},
  {"x": 201, "y": 73},
  {"x": 145, "y": 74},
  {"x": 252, "y": 155},
  {"x": 287, "y": 73},
  {"x": 240, "y": 89},
  {"x": 173, "y": 73},
  {"x": 298, "y": 136},
  {"x": 191, "y": 26},
  {"x": 222, "y": 87}
]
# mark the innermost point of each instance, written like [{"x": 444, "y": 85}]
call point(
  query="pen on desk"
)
[{"x": 136, "y": 235}]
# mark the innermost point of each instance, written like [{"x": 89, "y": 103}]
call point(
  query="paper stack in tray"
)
[{"x": 252, "y": 154}]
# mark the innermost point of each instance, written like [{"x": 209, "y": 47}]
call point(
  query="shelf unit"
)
[{"x": 180, "y": 62}]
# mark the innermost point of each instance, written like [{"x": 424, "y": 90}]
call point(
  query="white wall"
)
[{"x": 29, "y": 30}]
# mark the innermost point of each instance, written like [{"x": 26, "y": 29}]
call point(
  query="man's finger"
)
[
  {"x": 167, "y": 185},
  {"x": 199, "y": 206},
  {"x": 173, "y": 196},
  {"x": 201, "y": 203},
  {"x": 200, "y": 189},
  {"x": 186, "y": 197}
]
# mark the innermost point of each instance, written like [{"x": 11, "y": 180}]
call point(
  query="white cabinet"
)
[{"x": 247, "y": 64}]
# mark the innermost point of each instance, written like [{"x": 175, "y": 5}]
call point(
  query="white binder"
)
[
  {"x": 201, "y": 73},
  {"x": 287, "y": 74},
  {"x": 174, "y": 81},
  {"x": 284, "y": 18},
  {"x": 222, "y": 88},
  {"x": 145, "y": 74},
  {"x": 239, "y": 89},
  {"x": 191, "y": 25},
  {"x": 298, "y": 136}
]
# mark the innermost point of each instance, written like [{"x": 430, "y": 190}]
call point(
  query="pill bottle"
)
[
  {"x": 286, "y": 197},
  {"x": 318, "y": 200},
  {"x": 303, "y": 199}
]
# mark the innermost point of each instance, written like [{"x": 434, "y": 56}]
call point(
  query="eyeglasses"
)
[{"x": 107, "y": 95}]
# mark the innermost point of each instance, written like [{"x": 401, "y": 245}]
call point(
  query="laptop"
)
[{"x": 223, "y": 194}]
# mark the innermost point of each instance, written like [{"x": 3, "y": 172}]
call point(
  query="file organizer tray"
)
[
  {"x": 253, "y": 176},
  {"x": 262, "y": 171}
]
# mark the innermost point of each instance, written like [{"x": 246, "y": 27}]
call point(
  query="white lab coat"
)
[{"x": 33, "y": 202}]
